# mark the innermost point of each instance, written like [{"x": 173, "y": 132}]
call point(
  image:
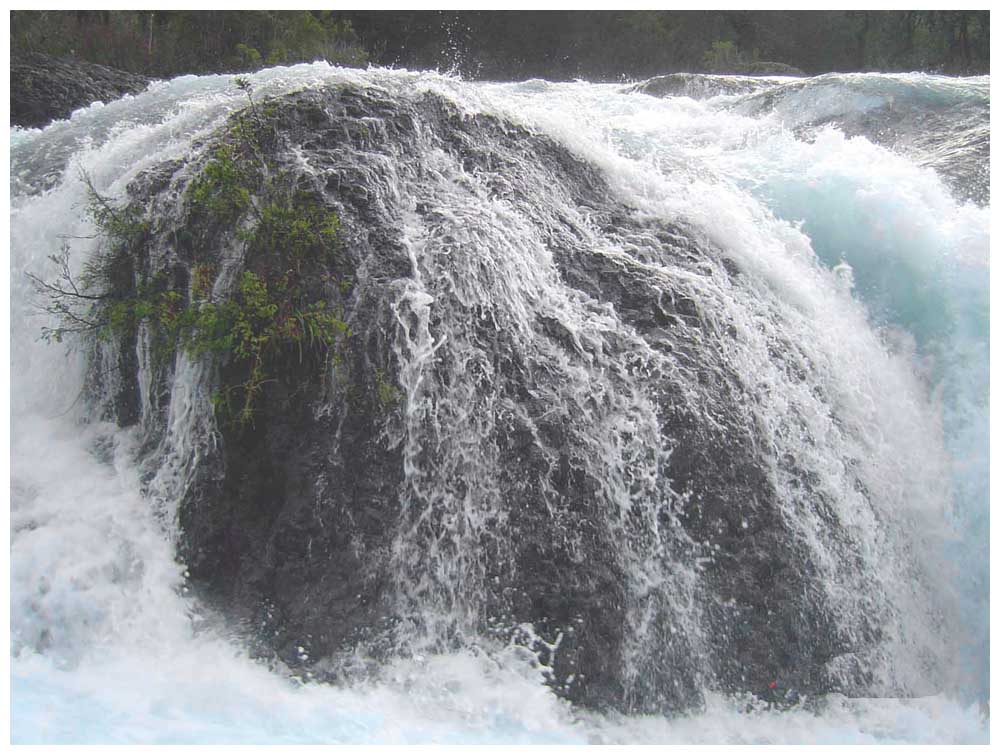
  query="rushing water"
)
[{"x": 839, "y": 193}]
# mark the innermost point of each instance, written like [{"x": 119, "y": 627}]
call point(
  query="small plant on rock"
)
[{"x": 277, "y": 313}]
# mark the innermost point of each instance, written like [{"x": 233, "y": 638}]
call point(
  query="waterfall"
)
[{"x": 680, "y": 392}]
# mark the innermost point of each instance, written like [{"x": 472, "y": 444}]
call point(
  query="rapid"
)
[{"x": 859, "y": 207}]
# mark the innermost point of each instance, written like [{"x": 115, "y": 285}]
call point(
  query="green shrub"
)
[
  {"x": 248, "y": 58},
  {"x": 388, "y": 395},
  {"x": 224, "y": 187},
  {"x": 723, "y": 57},
  {"x": 277, "y": 310}
]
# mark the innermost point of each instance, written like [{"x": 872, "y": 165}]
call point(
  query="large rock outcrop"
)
[
  {"x": 746, "y": 80},
  {"x": 534, "y": 431},
  {"x": 699, "y": 85},
  {"x": 44, "y": 89}
]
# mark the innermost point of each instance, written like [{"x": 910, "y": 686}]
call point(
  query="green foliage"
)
[
  {"x": 304, "y": 229},
  {"x": 236, "y": 169},
  {"x": 278, "y": 55},
  {"x": 224, "y": 187},
  {"x": 251, "y": 330},
  {"x": 123, "y": 225},
  {"x": 723, "y": 57},
  {"x": 248, "y": 58},
  {"x": 172, "y": 42},
  {"x": 202, "y": 279},
  {"x": 609, "y": 45},
  {"x": 290, "y": 247},
  {"x": 388, "y": 395},
  {"x": 277, "y": 314},
  {"x": 510, "y": 45},
  {"x": 124, "y": 229}
]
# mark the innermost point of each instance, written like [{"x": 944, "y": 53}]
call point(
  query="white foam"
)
[{"x": 106, "y": 645}]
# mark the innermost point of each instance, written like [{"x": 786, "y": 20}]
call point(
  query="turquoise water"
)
[{"x": 107, "y": 646}]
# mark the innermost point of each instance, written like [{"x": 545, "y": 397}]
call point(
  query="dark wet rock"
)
[
  {"x": 44, "y": 89},
  {"x": 308, "y": 526},
  {"x": 698, "y": 85},
  {"x": 954, "y": 142},
  {"x": 947, "y": 133},
  {"x": 771, "y": 68},
  {"x": 752, "y": 78}
]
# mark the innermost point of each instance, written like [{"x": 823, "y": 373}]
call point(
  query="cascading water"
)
[{"x": 818, "y": 309}]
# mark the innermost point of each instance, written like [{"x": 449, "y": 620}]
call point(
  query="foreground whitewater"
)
[{"x": 106, "y": 645}]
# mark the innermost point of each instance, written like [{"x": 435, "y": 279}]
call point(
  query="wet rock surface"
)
[
  {"x": 947, "y": 134},
  {"x": 350, "y": 516},
  {"x": 701, "y": 85},
  {"x": 44, "y": 89}
]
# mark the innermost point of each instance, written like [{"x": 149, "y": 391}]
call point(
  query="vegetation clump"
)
[
  {"x": 171, "y": 42},
  {"x": 276, "y": 313},
  {"x": 388, "y": 395},
  {"x": 224, "y": 187}
]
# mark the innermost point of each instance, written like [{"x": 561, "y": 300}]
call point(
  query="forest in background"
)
[{"x": 506, "y": 45}]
